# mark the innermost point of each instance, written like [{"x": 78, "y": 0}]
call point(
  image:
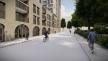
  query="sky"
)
[{"x": 67, "y": 9}]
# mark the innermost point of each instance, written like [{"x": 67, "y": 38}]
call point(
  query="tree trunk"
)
[
  {"x": 88, "y": 27},
  {"x": 88, "y": 24}
]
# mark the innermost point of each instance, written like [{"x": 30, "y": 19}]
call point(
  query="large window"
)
[
  {"x": 40, "y": 1},
  {"x": 21, "y": 31},
  {"x": 34, "y": 8},
  {"x": 38, "y": 20},
  {"x": 2, "y": 34},
  {"x": 38, "y": 11},
  {"x": 36, "y": 31},
  {"x": 34, "y": 19},
  {"x": 2, "y": 10}
]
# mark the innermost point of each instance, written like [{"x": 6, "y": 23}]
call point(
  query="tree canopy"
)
[
  {"x": 63, "y": 23},
  {"x": 92, "y": 11},
  {"x": 69, "y": 25},
  {"x": 76, "y": 21}
]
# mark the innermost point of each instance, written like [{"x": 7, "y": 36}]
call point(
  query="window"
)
[
  {"x": 38, "y": 11},
  {"x": 22, "y": 17},
  {"x": 40, "y": 1},
  {"x": 48, "y": 17},
  {"x": 48, "y": 1},
  {"x": 2, "y": 10},
  {"x": 34, "y": 8},
  {"x": 51, "y": 1},
  {"x": 26, "y": 1},
  {"x": 38, "y": 20},
  {"x": 34, "y": 19}
]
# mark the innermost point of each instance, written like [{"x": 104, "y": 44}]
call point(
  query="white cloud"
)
[{"x": 65, "y": 13}]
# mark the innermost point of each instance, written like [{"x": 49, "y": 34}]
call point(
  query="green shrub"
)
[
  {"x": 83, "y": 33},
  {"x": 100, "y": 29},
  {"x": 105, "y": 31},
  {"x": 102, "y": 39}
]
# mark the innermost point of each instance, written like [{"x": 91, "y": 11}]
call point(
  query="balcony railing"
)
[
  {"x": 22, "y": 5},
  {"x": 22, "y": 18},
  {"x": 24, "y": 1},
  {"x": 50, "y": 5},
  {"x": 44, "y": 2}
]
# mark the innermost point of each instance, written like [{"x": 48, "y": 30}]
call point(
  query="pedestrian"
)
[
  {"x": 91, "y": 39},
  {"x": 70, "y": 31}
]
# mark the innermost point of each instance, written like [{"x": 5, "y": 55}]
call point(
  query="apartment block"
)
[{"x": 21, "y": 18}]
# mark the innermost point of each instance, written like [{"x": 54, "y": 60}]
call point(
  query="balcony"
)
[
  {"x": 44, "y": 2},
  {"x": 21, "y": 7},
  {"x": 24, "y": 1},
  {"x": 22, "y": 17},
  {"x": 50, "y": 6}
]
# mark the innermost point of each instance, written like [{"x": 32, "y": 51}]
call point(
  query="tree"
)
[
  {"x": 85, "y": 9},
  {"x": 63, "y": 23},
  {"x": 76, "y": 21},
  {"x": 92, "y": 11},
  {"x": 102, "y": 11},
  {"x": 69, "y": 26}
]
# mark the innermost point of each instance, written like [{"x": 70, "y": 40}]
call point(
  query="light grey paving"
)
[{"x": 59, "y": 47}]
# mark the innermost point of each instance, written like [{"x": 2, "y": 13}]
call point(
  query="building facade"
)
[{"x": 19, "y": 18}]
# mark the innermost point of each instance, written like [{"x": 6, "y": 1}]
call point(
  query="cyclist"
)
[{"x": 46, "y": 35}]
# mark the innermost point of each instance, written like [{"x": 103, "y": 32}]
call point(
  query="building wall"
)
[
  {"x": 36, "y": 2},
  {"x": 58, "y": 14},
  {"x": 10, "y": 22}
]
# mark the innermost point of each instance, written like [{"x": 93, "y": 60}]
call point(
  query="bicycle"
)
[{"x": 45, "y": 39}]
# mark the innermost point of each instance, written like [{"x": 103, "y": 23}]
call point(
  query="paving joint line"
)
[{"x": 89, "y": 58}]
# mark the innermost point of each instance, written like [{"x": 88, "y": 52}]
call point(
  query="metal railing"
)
[
  {"x": 22, "y": 5},
  {"x": 22, "y": 19}
]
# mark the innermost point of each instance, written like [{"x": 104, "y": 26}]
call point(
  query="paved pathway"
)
[
  {"x": 59, "y": 47},
  {"x": 100, "y": 54}
]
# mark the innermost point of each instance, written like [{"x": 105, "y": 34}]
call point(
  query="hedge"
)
[{"x": 102, "y": 39}]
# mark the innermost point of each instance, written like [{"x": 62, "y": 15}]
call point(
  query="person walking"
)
[
  {"x": 70, "y": 31},
  {"x": 91, "y": 40}
]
